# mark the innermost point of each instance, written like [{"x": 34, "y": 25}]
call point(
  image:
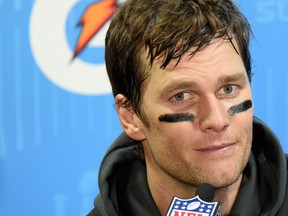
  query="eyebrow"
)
[
  {"x": 173, "y": 86},
  {"x": 237, "y": 77}
]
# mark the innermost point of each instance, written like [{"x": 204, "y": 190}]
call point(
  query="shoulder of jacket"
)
[{"x": 99, "y": 209}]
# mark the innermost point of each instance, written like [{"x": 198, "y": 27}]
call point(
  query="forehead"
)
[{"x": 220, "y": 55}]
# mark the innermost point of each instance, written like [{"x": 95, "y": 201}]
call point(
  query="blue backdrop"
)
[{"x": 56, "y": 113}]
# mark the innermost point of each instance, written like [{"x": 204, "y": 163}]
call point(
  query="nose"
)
[{"x": 213, "y": 116}]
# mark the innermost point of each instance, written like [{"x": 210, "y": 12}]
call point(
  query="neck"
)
[
  {"x": 163, "y": 194},
  {"x": 164, "y": 187},
  {"x": 226, "y": 196},
  {"x": 163, "y": 190}
]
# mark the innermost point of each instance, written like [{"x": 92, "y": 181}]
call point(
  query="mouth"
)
[{"x": 217, "y": 147}]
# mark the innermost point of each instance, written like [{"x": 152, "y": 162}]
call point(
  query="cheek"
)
[
  {"x": 245, "y": 120},
  {"x": 170, "y": 140},
  {"x": 162, "y": 133},
  {"x": 172, "y": 130},
  {"x": 243, "y": 126}
]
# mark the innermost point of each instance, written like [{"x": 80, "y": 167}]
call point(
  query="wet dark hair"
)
[{"x": 166, "y": 29}]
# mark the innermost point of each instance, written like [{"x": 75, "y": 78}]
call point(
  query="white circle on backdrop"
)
[{"x": 53, "y": 55}]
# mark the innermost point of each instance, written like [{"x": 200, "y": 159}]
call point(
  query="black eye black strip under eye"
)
[
  {"x": 179, "y": 117},
  {"x": 240, "y": 107}
]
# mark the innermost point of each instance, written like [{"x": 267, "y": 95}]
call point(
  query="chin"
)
[{"x": 223, "y": 181}]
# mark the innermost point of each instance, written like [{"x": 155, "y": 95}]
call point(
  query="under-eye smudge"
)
[
  {"x": 240, "y": 107},
  {"x": 179, "y": 117}
]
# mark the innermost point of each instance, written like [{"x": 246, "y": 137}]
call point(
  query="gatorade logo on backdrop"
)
[{"x": 67, "y": 40}]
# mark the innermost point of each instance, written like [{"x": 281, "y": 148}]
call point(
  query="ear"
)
[{"x": 131, "y": 123}]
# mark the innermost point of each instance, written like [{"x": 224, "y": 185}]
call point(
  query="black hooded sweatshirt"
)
[{"x": 124, "y": 189}]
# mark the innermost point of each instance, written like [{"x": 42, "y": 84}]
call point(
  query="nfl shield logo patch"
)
[{"x": 193, "y": 207}]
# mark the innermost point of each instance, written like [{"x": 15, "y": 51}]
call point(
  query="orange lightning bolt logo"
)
[{"x": 93, "y": 19}]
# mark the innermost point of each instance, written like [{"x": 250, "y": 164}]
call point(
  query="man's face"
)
[{"x": 211, "y": 143}]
